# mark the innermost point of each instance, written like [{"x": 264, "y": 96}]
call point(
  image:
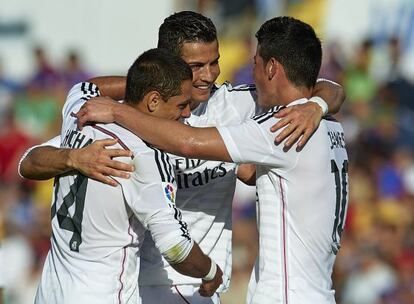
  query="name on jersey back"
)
[{"x": 337, "y": 139}]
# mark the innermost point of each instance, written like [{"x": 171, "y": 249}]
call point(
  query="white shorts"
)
[{"x": 176, "y": 294}]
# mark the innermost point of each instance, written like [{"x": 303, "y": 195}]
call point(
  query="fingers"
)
[
  {"x": 106, "y": 142},
  {"x": 118, "y": 153},
  {"x": 105, "y": 179},
  {"x": 291, "y": 127},
  {"x": 280, "y": 124},
  {"x": 205, "y": 291},
  {"x": 284, "y": 112},
  {"x": 112, "y": 170},
  {"x": 298, "y": 123},
  {"x": 304, "y": 139},
  {"x": 83, "y": 115},
  {"x": 82, "y": 118},
  {"x": 106, "y": 173},
  {"x": 120, "y": 169}
]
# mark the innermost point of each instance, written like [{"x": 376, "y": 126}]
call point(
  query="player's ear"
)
[
  {"x": 153, "y": 100},
  {"x": 271, "y": 68}
]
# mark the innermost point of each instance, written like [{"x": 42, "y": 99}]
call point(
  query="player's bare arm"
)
[
  {"x": 46, "y": 162},
  {"x": 112, "y": 86},
  {"x": 302, "y": 120},
  {"x": 247, "y": 174},
  {"x": 95, "y": 161},
  {"x": 197, "y": 264},
  {"x": 171, "y": 136}
]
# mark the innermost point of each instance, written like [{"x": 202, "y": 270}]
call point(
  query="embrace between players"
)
[{"x": 122, "y": 233}]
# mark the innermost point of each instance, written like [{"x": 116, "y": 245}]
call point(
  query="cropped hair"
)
[
  {"x": 185, "y": 26},
  {"x": 156, "y": 70},
  {"x": 295, "y": 45}
]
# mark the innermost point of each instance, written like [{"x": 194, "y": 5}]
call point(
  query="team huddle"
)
[{"x": 153, "y": 224}]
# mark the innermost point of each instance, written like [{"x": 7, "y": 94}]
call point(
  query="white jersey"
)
[
  {"x": 205, "y": 192},
  {"x": 97, "y": 230},
  {"x": 302, "y": 203}
]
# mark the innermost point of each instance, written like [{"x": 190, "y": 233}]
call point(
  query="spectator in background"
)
[
  {"x": 359, "y": 85},
  {"x": 45, "y": 75},
  {"x": 73, "y": 71},
  {"x": 13, "y": 141},
  {"x": 8, "y": 88}
]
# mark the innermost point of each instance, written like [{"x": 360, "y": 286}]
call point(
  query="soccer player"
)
[
  {"x": 205, "y": 187},
  {"x": 98, "y": 230},
  {"x": 302, "y": 195}
]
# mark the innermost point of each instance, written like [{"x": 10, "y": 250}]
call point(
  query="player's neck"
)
[{"x": 291, "y": 93}]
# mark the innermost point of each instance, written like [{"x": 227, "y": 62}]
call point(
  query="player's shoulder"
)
[
  {"x": 77, "y": 95},
  {"x": 266, "y": 115},
  {"x": 229, "y": 89},
  {"x": 227, "y": 86},
  {"x": 332, "y": 124},
  {"x": 125, "y": 138},
  {"x": 239, "y": 99}
]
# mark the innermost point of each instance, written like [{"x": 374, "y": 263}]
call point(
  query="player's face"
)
[
  {"x": 261, "y": 80},
  {"x": 178, "y": 106},
  {"x": 203, "y": 59}
]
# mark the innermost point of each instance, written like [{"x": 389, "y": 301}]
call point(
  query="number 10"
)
[{"x": 341, "y": 182}]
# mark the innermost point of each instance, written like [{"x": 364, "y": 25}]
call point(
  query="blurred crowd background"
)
[{"x": 374, "y": 64}]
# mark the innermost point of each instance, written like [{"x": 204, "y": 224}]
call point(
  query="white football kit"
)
[
  {"x": 97, "y": 230},
  {"x": 205, "y": 194},
  {"x": 301, "y": 209},
  {"x": 205, "y": 197}
]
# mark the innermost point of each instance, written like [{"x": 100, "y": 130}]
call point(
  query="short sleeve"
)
[
  {"x": 253, "y": 142},
  {"x": 150, "y": 192},
  {"x": 152, "y": 185},
  {"x": 77, "y": 95}
]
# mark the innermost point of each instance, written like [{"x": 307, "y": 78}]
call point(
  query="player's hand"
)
[
  {"x": 97, "y": 109},
  {"x": 95, "y": 161},
  {"x": 208, "y": 288},
  {"x": 300, "y": 121}
]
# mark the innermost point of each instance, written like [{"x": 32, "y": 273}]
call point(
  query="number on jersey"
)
[
  {"x": 75, "y": 196},
  {"x": 341, "y": 182}
]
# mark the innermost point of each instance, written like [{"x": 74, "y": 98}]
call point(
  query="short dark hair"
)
[
  {"x": 156, "y": 70},
  {"x": 185, "y": 26},
  {"x": 295, "y": 45}
]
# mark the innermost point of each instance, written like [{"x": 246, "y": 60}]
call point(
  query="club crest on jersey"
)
[{"x": 169, "y": 191}]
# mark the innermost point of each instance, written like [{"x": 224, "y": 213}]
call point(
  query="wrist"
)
[
  {"x": 211, "y": 273},
  {"x": 117, "y": 111},
  {"x": 321, "y": 103},
  {"x": 70, "y": 156}
]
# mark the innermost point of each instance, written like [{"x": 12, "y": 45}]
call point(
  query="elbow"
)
[
  {"x": 341, "y": 96},
  {"x": 188, "y": 148},
  {"x": 21, "y": 169}
]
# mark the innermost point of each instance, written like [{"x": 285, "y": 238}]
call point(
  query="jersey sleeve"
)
[
  {"x": 150, "y": 192},
  {"x": 77, "y": 95},
  {"x": 240, "y": 100},
  {"x": 253, "y": 142},
  {"x": 243, "y": 97}
]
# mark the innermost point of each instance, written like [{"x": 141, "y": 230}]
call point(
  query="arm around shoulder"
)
[
  {"x": 331, "y": 92},
  {"x": 45, "y": 162}
]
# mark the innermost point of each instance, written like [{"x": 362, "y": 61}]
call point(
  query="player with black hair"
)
[{"x": 98, "y": 230}]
